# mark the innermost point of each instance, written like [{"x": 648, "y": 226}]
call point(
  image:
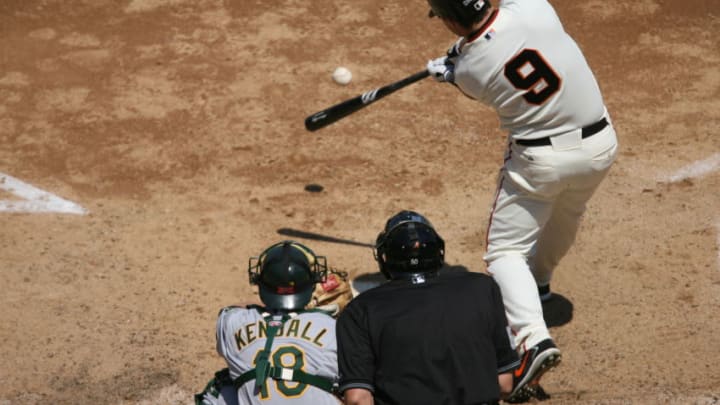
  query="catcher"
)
[{"x": 283, "y": 351}]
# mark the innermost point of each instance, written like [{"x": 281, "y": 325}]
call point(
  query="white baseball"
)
[{"x": 342, "y": 75}]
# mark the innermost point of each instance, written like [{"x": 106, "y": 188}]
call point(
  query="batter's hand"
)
[{"x": 442, "y": 69}]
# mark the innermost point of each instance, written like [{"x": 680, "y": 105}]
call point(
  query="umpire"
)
[{"x": 427, "y": 336}]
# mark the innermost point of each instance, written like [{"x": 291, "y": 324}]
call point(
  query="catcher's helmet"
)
[
  {"x": 465, "y": 12},
  {"x": 286, "y": 274},
  {"x": 409, "y": 245}
]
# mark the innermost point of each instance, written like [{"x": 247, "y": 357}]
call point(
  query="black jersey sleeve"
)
[
  {"x": 355, "y": 354},
  {"x": 507, "y": 357}
]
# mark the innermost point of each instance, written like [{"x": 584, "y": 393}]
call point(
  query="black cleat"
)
[{"x": 535, "y": 362}]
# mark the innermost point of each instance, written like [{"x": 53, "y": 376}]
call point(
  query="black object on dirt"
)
[{"x": 314, "y": 188}]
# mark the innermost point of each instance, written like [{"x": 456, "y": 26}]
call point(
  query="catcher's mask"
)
[
  {"x": 409, "y": 246},
  {"x": 286, "y": 274}
]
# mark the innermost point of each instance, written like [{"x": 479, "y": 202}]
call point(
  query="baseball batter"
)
[
  {"x": 518, "y": 59},
  {"x": 277, "y": 353}
]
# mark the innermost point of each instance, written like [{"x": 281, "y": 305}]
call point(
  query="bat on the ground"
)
[{"x": 326, "y": 117}]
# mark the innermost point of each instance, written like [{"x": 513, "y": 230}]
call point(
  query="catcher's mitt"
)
[{"x": 333, "y": 295}]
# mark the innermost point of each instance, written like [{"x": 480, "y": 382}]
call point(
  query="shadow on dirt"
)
[
  {"x": 296, "y": 233},
  {"x": 557, "y": 311}
]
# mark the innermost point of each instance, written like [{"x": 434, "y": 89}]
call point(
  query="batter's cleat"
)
[
  {"x": 530, "y": 392},
  {"x": 540, "y": 394},
  {"x": 534, "y": 363},
  {"x": 545, "y": 293}
]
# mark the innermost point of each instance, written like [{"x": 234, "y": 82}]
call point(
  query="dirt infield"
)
[{"x": 178, "y": 126}]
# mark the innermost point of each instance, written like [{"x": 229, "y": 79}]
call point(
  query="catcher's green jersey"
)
[{"x": 306, "y": 342}]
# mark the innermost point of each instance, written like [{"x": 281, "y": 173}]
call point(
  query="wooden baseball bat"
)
[{"x": 329, "y": 115}]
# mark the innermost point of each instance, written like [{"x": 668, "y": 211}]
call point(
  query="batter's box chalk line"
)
[
  {"x": 34, "y": 200},
  {"x": 696, "y": 169},
  {"x": 717, "y": 239}
]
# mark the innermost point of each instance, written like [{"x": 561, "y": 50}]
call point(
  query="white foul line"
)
[
  {"x": 717, "y": 235},
  {"x": 697, "y": 169},
  {"x": 35, "y": 200}
]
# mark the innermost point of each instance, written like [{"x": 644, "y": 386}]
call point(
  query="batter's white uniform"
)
[
  {"x": 523, "y": 64},
  {"x": 306, "y": 341}
]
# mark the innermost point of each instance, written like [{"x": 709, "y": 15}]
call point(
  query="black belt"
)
[{"x": 587, "y": 131}]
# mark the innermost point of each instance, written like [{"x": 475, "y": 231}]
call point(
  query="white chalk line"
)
[
  {"x": 34, "y": 199},
  {"x": 697, "y": 169},
  {"x": 717, "y": 236}
]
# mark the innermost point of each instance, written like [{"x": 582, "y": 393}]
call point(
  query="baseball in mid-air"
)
[{"x": 342, "y": 75}]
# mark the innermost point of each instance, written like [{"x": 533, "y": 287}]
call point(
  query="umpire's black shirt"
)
[{"x": 437, "y": 342}]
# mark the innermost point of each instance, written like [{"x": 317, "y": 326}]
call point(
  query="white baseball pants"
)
[{"x": 541, "y": 197}]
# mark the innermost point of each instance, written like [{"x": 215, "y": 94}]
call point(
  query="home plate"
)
[
  {"x": 366, "y": 281},
  {"x": 32, "y": 199}
]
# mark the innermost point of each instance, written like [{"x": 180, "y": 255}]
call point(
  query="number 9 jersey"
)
[
  {"x": 305, "y": 342},
  {"x": 523, "y": 63}
]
